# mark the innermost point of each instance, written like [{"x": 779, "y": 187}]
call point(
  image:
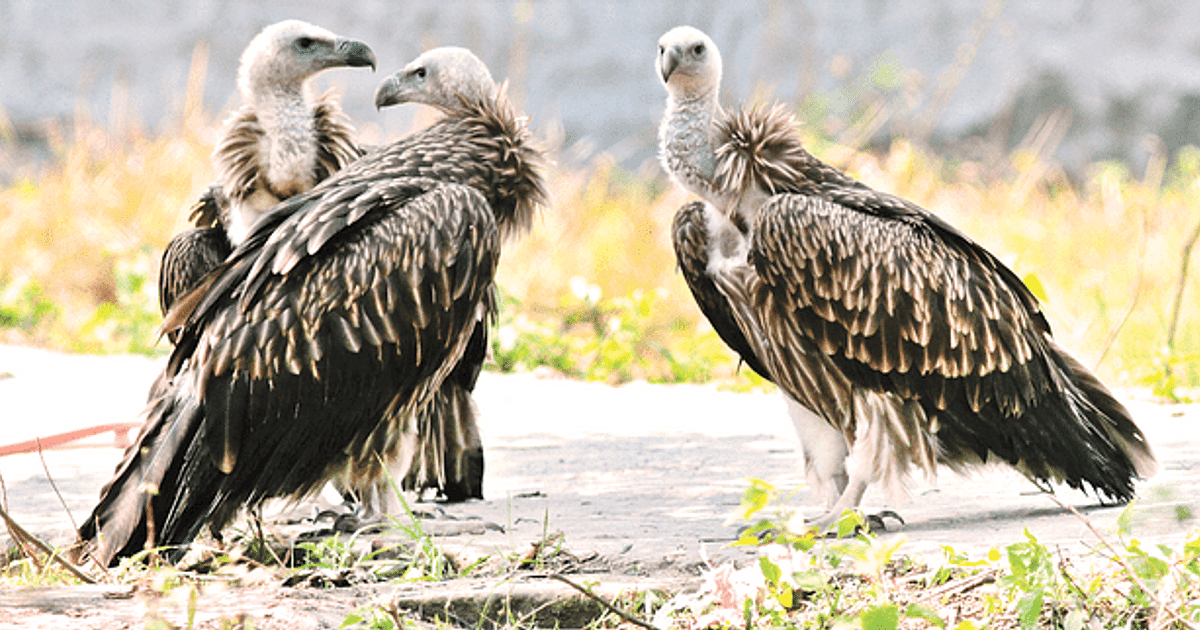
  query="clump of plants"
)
[{"x": 857, "y": 580}]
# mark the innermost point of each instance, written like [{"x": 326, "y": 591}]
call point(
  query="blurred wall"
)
[{"x": 973, "y": 76}]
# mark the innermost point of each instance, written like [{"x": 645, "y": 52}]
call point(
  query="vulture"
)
[
  {"x": 897, "y": 341},
  {"x": 343, "y": 310},
  {"x": 282, "y": 141}
]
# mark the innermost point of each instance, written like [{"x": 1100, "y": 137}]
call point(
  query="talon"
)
[{"x": 875, "y": 521}]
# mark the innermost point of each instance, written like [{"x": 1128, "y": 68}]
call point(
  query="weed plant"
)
[{"x": 856, "y": 580}]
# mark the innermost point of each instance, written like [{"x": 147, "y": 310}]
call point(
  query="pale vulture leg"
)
[
  {"x": 884, "y": 448},
  {"x": 825, "y": 451}
]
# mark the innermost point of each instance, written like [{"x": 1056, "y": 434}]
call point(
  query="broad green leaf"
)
[
  {"x": 1035, "y": 286},
  {"x": 882, "y": 617},
  {"x": 1029, "y": 609},
  {"x": 917, "y": 611},
  {"x": 770, "y": 570},
  {"x": 1125, "y": 520},
  {"x": 810, "y": 580},
  {"x": 784, "y": 597}
]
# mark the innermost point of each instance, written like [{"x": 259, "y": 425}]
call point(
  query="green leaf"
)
[
  {"x": 882, "y": 617},
  {"x": 1029, "y": 609},
  {"x": 850, "y": 522},
  {"x": 770, "y": 570},
  {"x": 756, "y": 497},
  {"x": 784, "y": 597},
  {"x": 351, "y": 619},
  {"x": 917, "y": 611},
  {"x": 1035, "y": 286},
  {"x": 811, "y": 580},
  {"x": 1125, "y": 520}
]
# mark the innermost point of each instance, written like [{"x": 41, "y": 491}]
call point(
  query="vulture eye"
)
[
  {"x": 661, "y": 50},
  {"x": 304, "y": 43},
  {"x": 419, "y": 72},
  {"x": 698, "y": 50}
]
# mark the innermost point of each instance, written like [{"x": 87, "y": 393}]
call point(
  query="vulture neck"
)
[
  {"x": 285, "y": 155},
  {"x": 687, "y": 143},
  {"x": 289, "y": 147}
]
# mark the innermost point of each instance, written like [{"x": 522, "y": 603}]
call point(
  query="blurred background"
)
[{"x": 1060, "y": 135}]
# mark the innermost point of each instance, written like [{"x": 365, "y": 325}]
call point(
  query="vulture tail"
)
[
  {"x": 1081, "y": 435},
  {"x": 142, "y": 506},
  {"x": 1131, "y": 456},
  {"x": 446, "y": 450}
]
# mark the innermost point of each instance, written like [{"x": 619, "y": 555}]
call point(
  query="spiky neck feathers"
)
[
  {"x": 512, "y": 179},
  {"x": 268, "y": 153}
]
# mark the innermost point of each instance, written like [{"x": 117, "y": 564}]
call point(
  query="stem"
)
[
  {"x": 588, "y": 592},
  {"x": 51, "y": 553},
  {"x": 1183, "y": 273},
  {"x": 1120, "y": 560},
  {"x": 54, "y": 486},
  {"x": 1137, "y": 295}
]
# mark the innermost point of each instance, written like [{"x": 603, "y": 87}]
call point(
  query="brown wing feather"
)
[{"x": 690, "y": 237}]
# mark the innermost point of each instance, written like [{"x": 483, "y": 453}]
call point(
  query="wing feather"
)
[{"x": 691, "y": 241}]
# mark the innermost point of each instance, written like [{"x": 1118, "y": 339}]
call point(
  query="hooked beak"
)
[
  {"x": 389, "y": 92},
  {"x": 668, "y": 62},
  {"x": 354, "y": 53}
]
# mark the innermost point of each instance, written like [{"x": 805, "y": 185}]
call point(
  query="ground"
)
[{"x": 641, "y": 480}]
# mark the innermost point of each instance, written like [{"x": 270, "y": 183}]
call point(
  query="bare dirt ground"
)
[{"x": 641, "y": 480}]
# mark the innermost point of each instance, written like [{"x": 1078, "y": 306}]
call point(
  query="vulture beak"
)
[
  {"x": 390, "y": 92},
  {"x": 668, "y": 62},
  {"x": 354, "y": 53}
]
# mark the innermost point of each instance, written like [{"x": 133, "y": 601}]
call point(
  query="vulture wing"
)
[
  {"x": 894, "y": 303},
  {"x": 348, "y": 304},
  {"x": 690, "y": 236}
]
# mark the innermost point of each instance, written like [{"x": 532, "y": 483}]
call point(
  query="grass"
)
[
  {"x": 593, "y": 291},
  {"x": 804, "y": 580}
]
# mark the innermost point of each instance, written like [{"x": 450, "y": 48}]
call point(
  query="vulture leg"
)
[{"x": 825, "y": 451}]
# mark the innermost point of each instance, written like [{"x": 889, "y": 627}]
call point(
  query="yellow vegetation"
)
[{"x": 1106, "y": 253}]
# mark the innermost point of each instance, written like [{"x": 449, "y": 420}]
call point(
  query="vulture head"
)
[
  {"x": 285, "y": 55},
  {"x": 441, "y": 77},
  {"x": 688, "y": 64}
]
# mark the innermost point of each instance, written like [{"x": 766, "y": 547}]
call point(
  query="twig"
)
[
  {"x": 1120, "y": 560},
  {"x": 613, "y": 609},
  {"x": 51, "y": 553},
  {"x": 54, "y": 486},
  {"x": 1137, "y": 296},
  {"x": 961, "y": 585},
  {"x": 1183, "y": 273},
  {"x": 1062, "y": 569}
]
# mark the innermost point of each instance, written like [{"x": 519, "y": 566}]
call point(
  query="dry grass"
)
[{"x": 1106, "y": 251}]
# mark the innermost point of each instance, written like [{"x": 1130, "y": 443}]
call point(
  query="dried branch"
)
[
  {"x": 54, "y": 486},
  {"x": 50, "y": 552},
  {"x": 1179, "y": 289},
  {"x": 613, "y": 609},
  {"x": 961, "y": 585}
]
